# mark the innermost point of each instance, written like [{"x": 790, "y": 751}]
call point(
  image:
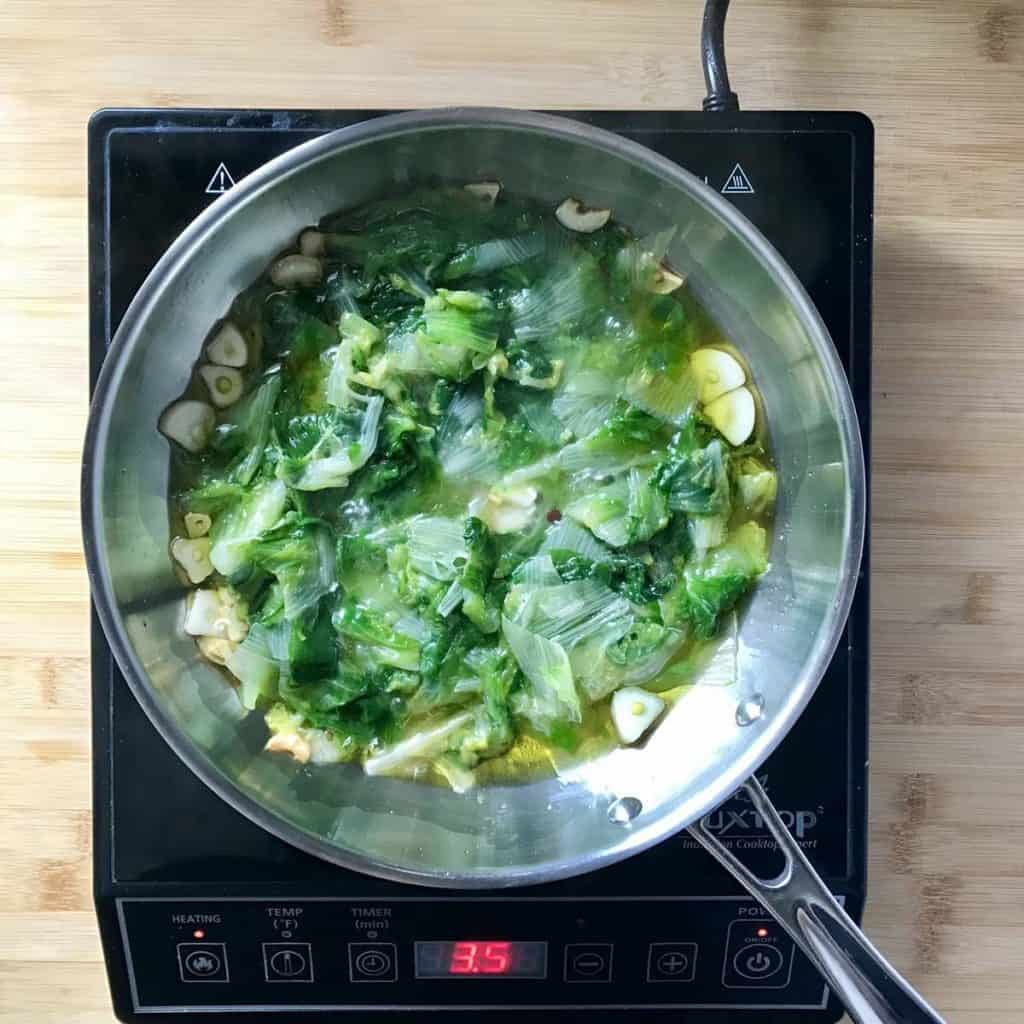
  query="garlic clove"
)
[
  {"x": 666, "y": 281},
  {"x": 311, "y": 243},
  {"x": 322, "y": 748},
  {"x": 228, "y": 347},
  {"x": 634, "y": 711},
  {"x": 215, "y": 613},
  {"x": 215, "y": 648},
  {"x": 574, "y": 215},
  {"x": 290, "y": 743},
  {"x": 295, "y": 270},
  {"x": 197, "y": 524},
  {"x": 522, "y": 496},
  {"x": 717, "y": 373},
  {"x": 487, "y": 191},
  {"x": 189, "y": 423},
  {"x": 203, "y": 614},
  {"x": 193, "y": 555},
  {"x": 733, "y": 415},
  {"x": 233, "y": 622},
  {"x": 224, "y": 383},
  {"x": 506, "y": 509}
]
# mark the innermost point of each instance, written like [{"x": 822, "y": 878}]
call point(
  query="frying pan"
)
[{"x": 619, "y": 804}]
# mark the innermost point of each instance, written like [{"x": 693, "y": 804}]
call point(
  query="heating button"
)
[{"x": 202, "y": 961}]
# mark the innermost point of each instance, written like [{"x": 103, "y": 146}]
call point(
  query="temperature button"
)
[
  {"x": 372, "y": 961},
  {"x": 287, "y": 961}
]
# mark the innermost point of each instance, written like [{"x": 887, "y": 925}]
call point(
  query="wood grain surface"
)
[{"x": 943, "y": 81}]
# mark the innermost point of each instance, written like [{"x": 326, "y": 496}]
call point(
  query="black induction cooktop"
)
[{"x": 203, "y": 913}]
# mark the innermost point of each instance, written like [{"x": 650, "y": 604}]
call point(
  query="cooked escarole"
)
[{"x": 466, "y": 483}]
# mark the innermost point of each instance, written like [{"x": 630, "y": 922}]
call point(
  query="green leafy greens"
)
[{"x": 465, "y": 491}]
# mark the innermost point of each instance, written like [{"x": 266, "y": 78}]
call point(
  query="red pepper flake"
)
[{"x": 554, "y": 515}]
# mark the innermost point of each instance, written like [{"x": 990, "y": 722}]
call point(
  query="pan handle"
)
[{"x": 868, "y": 986}]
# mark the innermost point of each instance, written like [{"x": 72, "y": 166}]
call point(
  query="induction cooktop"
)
[{"x": 204, "y": 914}]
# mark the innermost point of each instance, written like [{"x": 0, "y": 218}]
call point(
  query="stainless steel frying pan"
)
[{"x": 615, "y": 806}]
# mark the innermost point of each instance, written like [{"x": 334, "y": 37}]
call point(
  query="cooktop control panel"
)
[{"x": 420, "y": 953}]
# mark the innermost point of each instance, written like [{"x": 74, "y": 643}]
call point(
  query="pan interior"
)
[{"x": 626, "y": 800}]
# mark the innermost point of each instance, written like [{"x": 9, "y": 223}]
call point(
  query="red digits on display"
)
[
  {"x": 463, "y": 958},
  {"x": 497, "y": 958},
  {"x": 481, "y": 958}
]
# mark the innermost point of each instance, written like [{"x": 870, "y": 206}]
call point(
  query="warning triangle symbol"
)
[
  {"x": 737, "y": 183},
  {"x": 220, "y": 182}
]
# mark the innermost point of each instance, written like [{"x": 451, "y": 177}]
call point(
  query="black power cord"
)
[{"x": 720, "y": 97}]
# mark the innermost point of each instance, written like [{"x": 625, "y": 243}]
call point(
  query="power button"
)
[
  {"x": 757, "y": 962},
  {"x": 758, "y": 954}
]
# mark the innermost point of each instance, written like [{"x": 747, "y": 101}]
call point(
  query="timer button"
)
[
  {"x": 372, "y": 961},
  {"x": 588, "y": 961}
]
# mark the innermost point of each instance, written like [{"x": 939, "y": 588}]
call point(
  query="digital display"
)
[{"x": 481, "y": 958}]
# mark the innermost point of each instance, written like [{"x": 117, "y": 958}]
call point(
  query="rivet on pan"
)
[
  {"x": 750, "y": 709},
  {"x": 624, "y": 810}
]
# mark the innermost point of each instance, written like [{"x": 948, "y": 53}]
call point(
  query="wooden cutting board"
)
[{"x": 944, "y": 84}]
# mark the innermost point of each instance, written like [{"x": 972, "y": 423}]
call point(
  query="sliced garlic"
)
[
  {"x": 189, "y": 423},
  {"x": 215, "y": 649},
  {"x": 634, "y": 711},
  {"x": 233, "y": 615},
  {"x": 228, "y": 347},
  {"x": 506, "y": 509},
  {"x": 520, "y": 497},
  {"x": 733, "y": 415},
  {"x": 311, "y": 243},
  {"x": 203, "y": 614},
  {"x": 717, "y": 373},
  {"x": 224, "y": 384},
  {"x": 290, "y": 743},
  {"x": 193, "y": 556},
  {"x": 197, "y": 524},
  {"x": 322, "y": 749},
  {"x": 666, "y": 281},
  {"x": 295, "y": 270},
  {"x": 215, "y": 613},
  {"x": 576, "y": 217},
  {"x": 488, "y": 191}
]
